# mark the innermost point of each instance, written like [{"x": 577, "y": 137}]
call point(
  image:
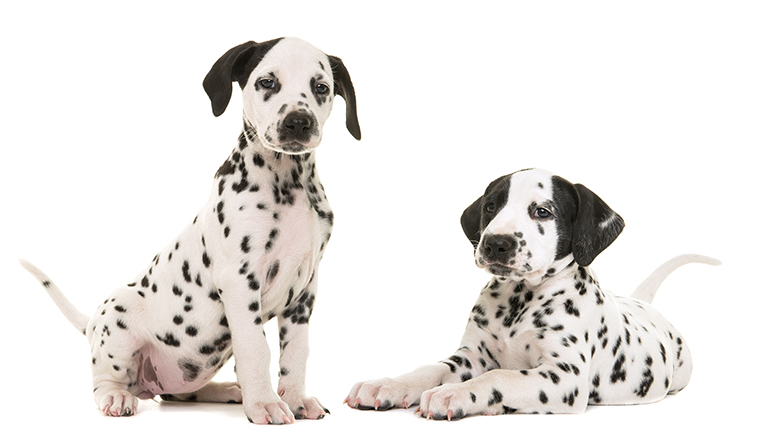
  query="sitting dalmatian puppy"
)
[
  {"x": 543, "y": 336},
  {"x": 250, "y": 255}
]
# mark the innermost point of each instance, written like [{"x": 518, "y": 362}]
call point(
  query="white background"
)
[{"x": 109, "y": 148}]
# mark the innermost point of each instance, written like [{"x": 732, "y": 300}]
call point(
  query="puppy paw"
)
[
  {"x": 382, "y": 394},
  {"x": 118, "y": 403},
  {"x": 308, "y": 408},
  {"x": 276, "y": 412},
  {"x": 447, "y": 402}
]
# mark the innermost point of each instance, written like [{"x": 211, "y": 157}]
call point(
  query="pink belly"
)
[{"x": 166, "y": 375}]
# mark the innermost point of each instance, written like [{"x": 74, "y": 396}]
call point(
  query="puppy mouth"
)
[
  {"x": 292, "y": 147},
  {"x": 503, "y": 270},
  {"x": 500, "y": 270},
  {"x": 295, "y": 148}
]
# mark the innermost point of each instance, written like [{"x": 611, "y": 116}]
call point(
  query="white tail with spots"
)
[{"x": 75, "y": 317}]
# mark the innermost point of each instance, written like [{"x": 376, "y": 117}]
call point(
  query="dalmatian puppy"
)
[
  {"x": 543, "y": 337},
  {"x": 249, "y": 256}
]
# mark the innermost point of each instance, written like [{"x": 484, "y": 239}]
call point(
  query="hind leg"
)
[
  {"x": 682, "y": 365},
  {"x": 114, "y": 383},
  {"x": 213, "y": 392},
  {"x": 116, "y": 359}
]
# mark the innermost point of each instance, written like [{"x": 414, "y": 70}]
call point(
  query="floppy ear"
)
[
  {"x": 470, "y": 221},
  {"x": 596, "y": 226},
  {"x": 234, "y": 66},
  {"x": 345, "y": 88}
]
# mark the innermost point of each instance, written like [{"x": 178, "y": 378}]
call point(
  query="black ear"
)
[
  {"x": 596, "y": 226},
  {"x": 234, "y": 66},
  {"x": 345, "y": 88},
  {"x": 470, "y": 221}
]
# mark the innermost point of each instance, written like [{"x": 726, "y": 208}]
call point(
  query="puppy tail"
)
[
  {"x": 75, "y": 317},
  {"x": 646, "y": 291}
]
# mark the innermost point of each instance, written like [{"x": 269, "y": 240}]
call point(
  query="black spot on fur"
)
[
  {"x": 496, "y": 397},
  {"x": 169, "y": 339},
  {"x": 190, "y": 370},
  {"x": 272, "y": 271},
  {"x": 618, "y": 370},
  {"x": 186, "y": 271}
]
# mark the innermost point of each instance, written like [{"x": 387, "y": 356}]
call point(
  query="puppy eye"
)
[
  {"x": 267, "y": 83},
  {"x": 542, "y": 213},
  {"x": 321, "y": 89},
  {"x": 490, "y": 207}
]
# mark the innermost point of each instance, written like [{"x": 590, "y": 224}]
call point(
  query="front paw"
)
[
  {"x": 306, "y": 408},
  {"x": 447, "y": 402},
  {"x": 381, "y": 395},
  {"x": 118, "y": 403},
  {"x": 276, "y": 412}
]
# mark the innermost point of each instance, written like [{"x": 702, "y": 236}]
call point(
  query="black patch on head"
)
[
  {"x": 320, "y": 97},
  {"x": 476, "y": 217},
  {"x": 345, "y": 88},
  {"x": 274, "y": 85},
  {"x": 235, "y": 65},
  {"x": 586, "y": 226}
]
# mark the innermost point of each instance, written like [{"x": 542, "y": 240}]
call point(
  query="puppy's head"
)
[
  {"x": 528, "y": 220},
  {"x": 288, "y": 91}
]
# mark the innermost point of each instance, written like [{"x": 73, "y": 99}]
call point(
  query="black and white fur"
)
[
  {"x": 250, "y": 255},
  {"x": 544, "y": 337}
]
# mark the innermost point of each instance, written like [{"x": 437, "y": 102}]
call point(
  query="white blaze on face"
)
[{"x": 293, "y": 77}]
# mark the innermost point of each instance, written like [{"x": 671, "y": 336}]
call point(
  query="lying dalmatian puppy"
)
[
  {"x": 543, "y": 337},
  {"x": 251, "y": 254}
]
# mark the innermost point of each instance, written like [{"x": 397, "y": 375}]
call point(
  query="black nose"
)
[
  {"x": 297, "y": 125},
  {"x": 498, "y": 248}
]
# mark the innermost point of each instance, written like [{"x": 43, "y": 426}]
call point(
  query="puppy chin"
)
[
  {"x": 502, "y": 272},
  {"x": 292, "y": 148}
]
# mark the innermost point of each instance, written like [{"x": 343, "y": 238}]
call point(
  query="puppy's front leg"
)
[
  {"x": 242, "y": 305},
  {"x": 399, "y": 392},
  {"x": 545, "y": 389},
  {"x": 294, "y": 351}
]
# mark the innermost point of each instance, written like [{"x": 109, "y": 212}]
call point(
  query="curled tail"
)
[
  {"x": 75, "y": 317},
  {"x": 646, "y": 291}
]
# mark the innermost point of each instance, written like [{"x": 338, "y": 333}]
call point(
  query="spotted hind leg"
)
[
  {"x": 114, "y": 377},
  {"x": 117, "y": 355},
  {"x": 214, "y": 392}
]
